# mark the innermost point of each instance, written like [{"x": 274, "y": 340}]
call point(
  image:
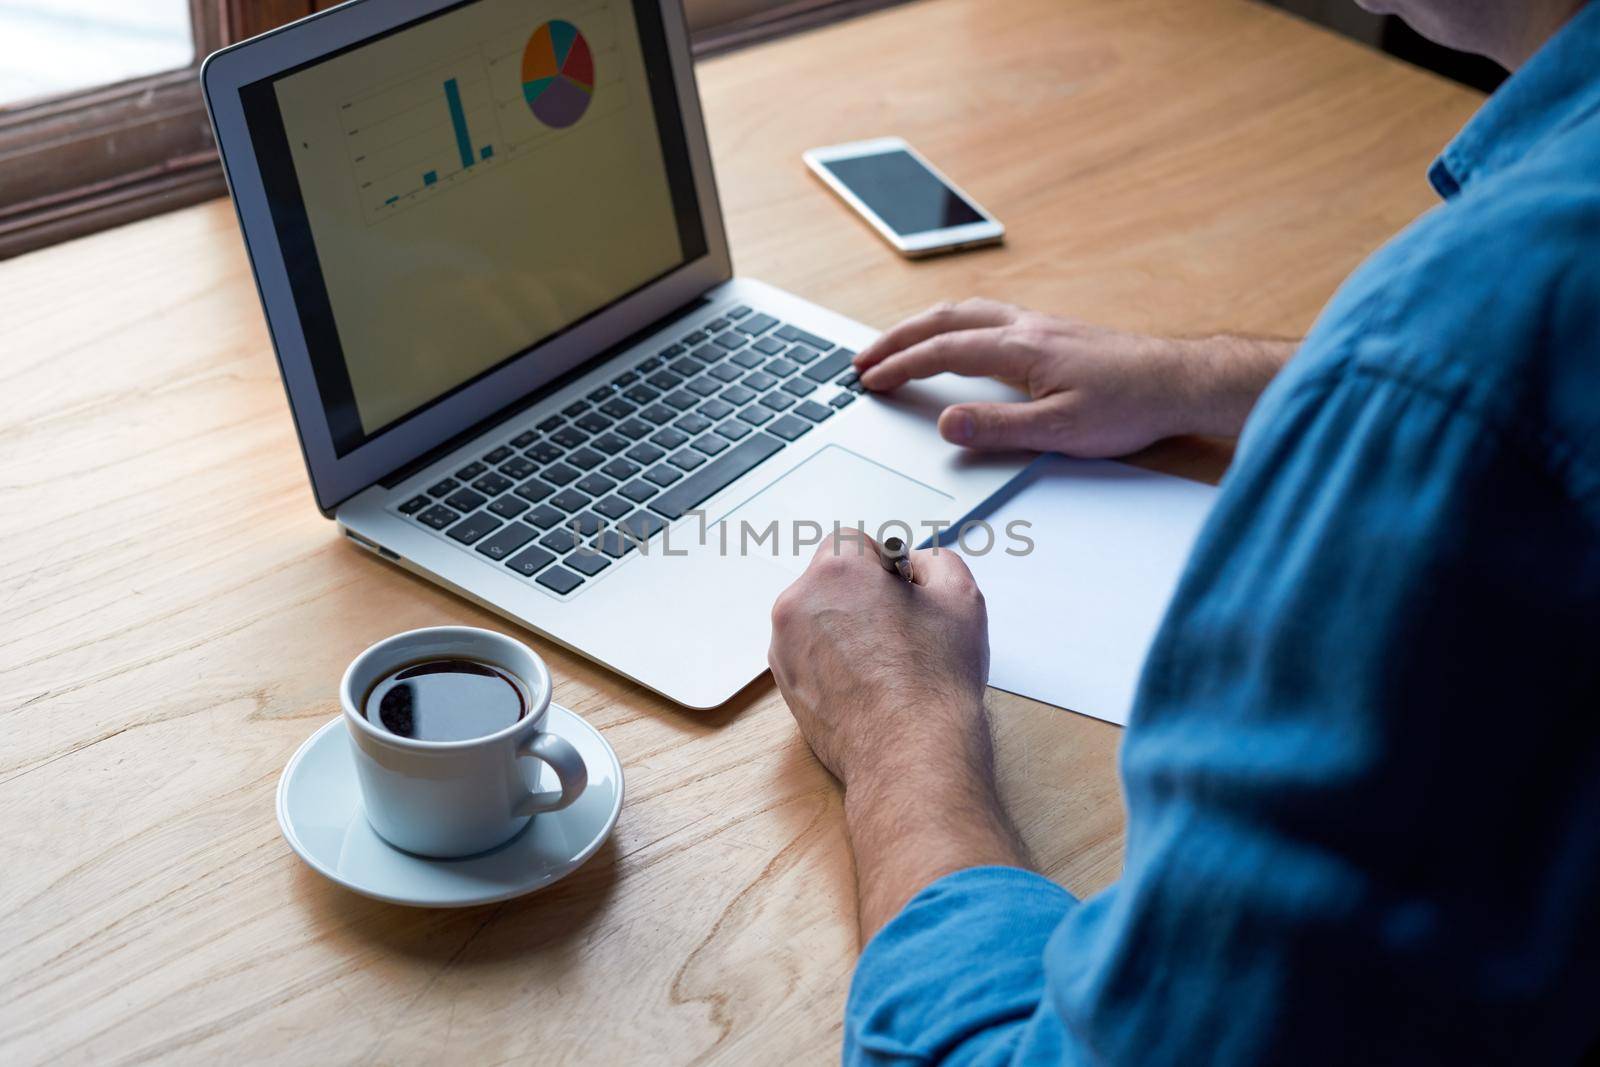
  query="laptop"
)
[{"x": 489, "y": 249}]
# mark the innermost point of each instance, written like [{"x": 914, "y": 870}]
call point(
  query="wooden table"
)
[{"x": 176, "y": 614}]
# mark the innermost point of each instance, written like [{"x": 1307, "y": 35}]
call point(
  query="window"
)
[{"x": 101, "y": 120}]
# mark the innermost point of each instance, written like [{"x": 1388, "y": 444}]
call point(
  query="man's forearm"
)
[
  {"x": 914, "y": 817},
  {"x": 1227, "y": 375}
]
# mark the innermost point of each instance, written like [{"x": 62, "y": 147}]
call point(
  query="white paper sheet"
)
[{"x": 1070, "y": 623}]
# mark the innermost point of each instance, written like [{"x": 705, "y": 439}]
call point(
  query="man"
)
[{"x": 1363, "y": 774}]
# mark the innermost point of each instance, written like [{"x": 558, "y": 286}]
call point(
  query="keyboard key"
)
[
  {"x": 760, "y": 381},
  {"x": 590, "y": 562},
  {"x": 644, "y": 452},
  {"x": 570, "y": 501},
  {"x": 544, "y": 516},
  {"x": 769, "y": 346},
  {"x": 685, "y": 367},
  {"x": 560, "y": 580},
  {"x": 615, "y": 543},
  {"x": 664, "y": 380},
  {"x": 709, "y": 354},
  {"x": 576, "y": 408},
  {"x": 639, "y": 491},
  {"x": 799, "y": 387},
  {"x": 616, "y": 408},
  {"x": 737, "y": 395},
  {"x": 830, "y": 366},
  {"x": 734, "y": 430},
  {"x": 594, "y": 422},
  {"x": 586, "y": 525},
  {"x": 438, "y": 517},
  {"x": 711, "y": 444},
  {"x": 622, "y": 381},
  {"x": 669, "y": 438},
  {"x": 493, "y": 484},
  {"x": 609, "y": 443},
  {"x": 814, "y": 411},
  {"x": 716, "y": 324},
  {"x": 718, "y": 475},
  {"x": 518, "y": 468},
  {"x": 586, "y": 459},
  {"x": 802, "y": 354},
  {"x": 780, "y": 368},
  {"x": 727, "y": 372},
  {"x": 692, "y": 424},
  {"x": 655, "y": 362},
  {"x": 642, "y": 394},
  {"x": 693, "y": 338},
  {"x": 659, "y": 414},
  {"x": 687, "y": 460},
  {"x": 560, "y": 474},
  {"x": 600, "y": 395},
  {"x": 633, "y": 429},
  {"x": 756, "y": 415},
  {"x": 847, "y": 379},
  {"x": 414, "y": 505},
  {"x": 471, "y": 471},
  {"x": 599, "y": 485},
  {"x": 524, "y": 439},
  {"x": 544, "y": 452},
  {"x": 509, "y": 507},
  {"x": 683, "y": 400},
  {"x": 466, "y": 500},
  {"x": 496, "y": 456},
  {"x": 449, "y": 485},
  {"x": 749, "y": 359},
  {"x": 534, "y": 490},
  {"x": 794, "y": 333},
  {"x": 560, "y": 540},
  {"x": 641, "y": 525},
  {"x": 843, "y": 400},
  {"x": 531, "y": 562},
  {"x": 569, "y": 437},
  {"x": 663, "y": 475},
  {"x": 778, "y": 401},
  {"x": 731, "y": 340},
  {"x": 549, "y": 424},
  {"x": 705, "y": 386},
  {"x": 614, "y": 507},
  {"x": 472, "y": 527},
  {"x": 507, "y": 541},
  {"x": 715, "y": 409},
  {"x": 620, "y": 469},
  {"x": 737, "y": 313},
  {"x": 789, "y": 427},
  {"x": 757, "y": 325}
]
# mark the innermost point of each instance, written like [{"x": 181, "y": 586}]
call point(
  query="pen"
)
[{"x": 896, "y": 559}]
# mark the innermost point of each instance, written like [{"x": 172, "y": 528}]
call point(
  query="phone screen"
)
[{"x": 904, "y": 193}]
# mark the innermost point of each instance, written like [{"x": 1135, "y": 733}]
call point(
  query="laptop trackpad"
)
[{"x": 782, "y": 522}]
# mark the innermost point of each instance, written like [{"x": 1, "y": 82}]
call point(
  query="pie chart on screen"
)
[{"x": 557, "y": 74}]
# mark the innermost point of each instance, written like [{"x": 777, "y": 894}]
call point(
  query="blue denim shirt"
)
[{"x": 1363, "y": 773}]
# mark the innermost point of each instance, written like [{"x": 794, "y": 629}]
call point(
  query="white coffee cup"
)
[{"x": 456, "y": 798}]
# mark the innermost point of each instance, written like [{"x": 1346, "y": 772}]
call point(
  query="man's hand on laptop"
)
[
  {"x": 1094, "y": 391},
  {"x": 886, "y": 680}
]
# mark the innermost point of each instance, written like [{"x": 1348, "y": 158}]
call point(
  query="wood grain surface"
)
[{"x": 176, "y": 615}]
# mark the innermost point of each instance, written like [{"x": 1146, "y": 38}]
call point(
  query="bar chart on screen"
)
[{"x": 428, "y": 132}]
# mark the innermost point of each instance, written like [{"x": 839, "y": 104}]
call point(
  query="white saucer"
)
[{"x": 319, "y": 810}]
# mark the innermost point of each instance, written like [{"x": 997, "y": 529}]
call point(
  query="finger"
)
[
  {"x": 1033, "y": 425},
  {"x": 942, "y": 318},
  {"x": 974, "y": 353},
  {"x": 942, "y": 568}
]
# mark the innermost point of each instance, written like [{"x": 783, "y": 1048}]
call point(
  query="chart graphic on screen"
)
[
  {"x": 426, "y": 132},
  {"x": 558, "y": 74}
]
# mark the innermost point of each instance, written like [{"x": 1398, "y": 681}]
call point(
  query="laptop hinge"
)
[{"x": 517, "y": 407}]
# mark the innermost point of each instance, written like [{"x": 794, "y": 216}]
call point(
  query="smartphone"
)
[{"x": 912, "y": 206}]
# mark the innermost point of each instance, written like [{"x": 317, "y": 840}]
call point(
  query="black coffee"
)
[{"x": 446, "y": 700}]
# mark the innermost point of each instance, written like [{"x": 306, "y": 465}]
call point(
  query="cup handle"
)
[{"x": 568, "y": 765}]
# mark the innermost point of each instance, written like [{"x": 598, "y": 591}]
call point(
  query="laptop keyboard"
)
[{"x": 562, "y": 500}]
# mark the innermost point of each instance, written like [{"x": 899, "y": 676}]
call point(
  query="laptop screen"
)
[{"x": 464, "y": 188}]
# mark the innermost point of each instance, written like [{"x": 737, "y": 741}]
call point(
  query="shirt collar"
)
[{"x": 1556, "y": 88}]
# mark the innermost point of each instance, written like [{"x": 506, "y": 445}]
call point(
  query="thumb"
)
[{"x": 1031, "y": 425}]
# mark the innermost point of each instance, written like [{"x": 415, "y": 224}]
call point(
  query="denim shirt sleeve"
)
[{"x": 958, "y": 976}]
